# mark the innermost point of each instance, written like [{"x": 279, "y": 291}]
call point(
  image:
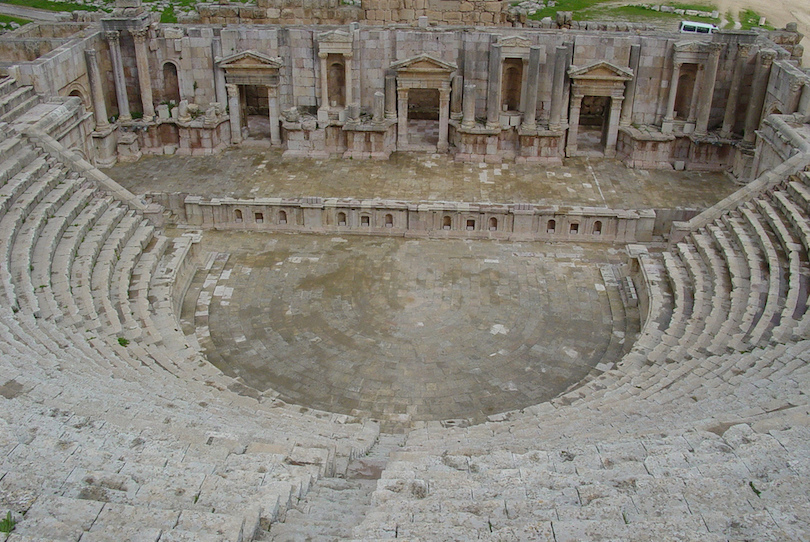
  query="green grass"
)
[
  {"x": 50, "y": 6},
  {"x": 585, "y": 10},
  {"x": 750, "y": 18},
  {"x": 6, "y": 19}
]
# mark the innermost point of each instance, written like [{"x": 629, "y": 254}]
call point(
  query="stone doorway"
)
[
  {"x": 593, "y": 124},
  {"x": 255, "y": 112},
  {"x": 423, "y": 118}
]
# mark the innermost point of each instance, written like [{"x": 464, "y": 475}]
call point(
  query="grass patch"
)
[
  {"x": 585, "y": 10},
  {"x": 50, "y": 6},
  {"x": 7, "y": 524},
  {"x": 5, "y": 19},
  {"x": 168, "y": 15},
  {"x": 123, "y": 342},
  {"x": 750, "y": 18}
]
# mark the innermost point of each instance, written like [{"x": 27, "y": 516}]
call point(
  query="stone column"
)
[
  {"x": 444, "y": 118},
  {"x": 469, "y": 106},
  {"x": 233, "y": 112},
  {"x": 379, "y": 107},
  {"x": 673, "y": 91},
  {"x": 494, "y": 89},
  {"x": 707, "y": 89},
  {"x": 219, "y": 73},
  {"x": 324, "y": 81},
  {"x": 557, "y": 91},
  {"x": 758, "y": 88},
  {"x": 402, "y": 118},
  {"x": 569, "y": 59},
  {"x": 349, "y": 85},
  {"x": 456, "y": 97},
  {"x": 613, "y": 125},
  {"x": 275, "y": 116},
  {"x": 118, "y": 75},
  {"x": 96, "y": 89},
  {"x": 144, "y": 80},
  {"x": 390, "y": 96},
  {"x": 630, "y": 87},
  {"x": 530, "y": 112},
  {"x": 573, "y": 124},
  {"x": 730, "y": 115}
]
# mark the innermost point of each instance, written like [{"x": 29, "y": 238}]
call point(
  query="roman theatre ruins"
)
[{"x": 425, "y": 269}]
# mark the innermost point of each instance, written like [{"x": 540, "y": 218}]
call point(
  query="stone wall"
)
[{"x": 434, "y": 220}]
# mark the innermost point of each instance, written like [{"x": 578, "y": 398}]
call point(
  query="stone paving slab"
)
[
  {"x": 415, "y": 329},
  {"x": 593, "y": 182}
]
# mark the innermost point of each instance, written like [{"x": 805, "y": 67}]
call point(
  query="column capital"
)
[
  {"x": 767, "y": 57},
  {"x": 112, "y": 36},
  {"x": 233, "y": 90},
  {"x": 715, "y": 48},
  {"x": 139, "y": 35},
  {"x": 323, "y": 55},
  {"x": 743, "y": 50},
  {"x": 91, "y": 53},
  {"x": 348, "y": 56}
]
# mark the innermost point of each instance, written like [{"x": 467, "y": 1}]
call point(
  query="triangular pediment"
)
[
  {"x": 692, "y": 46},
  {"x": 423, "y": 63},
  {"x": 601, "y": 70},
  {"x": 518, "y": 42},
  {"x": 335, "y": 36},
  {"x": 249, "y": 59}
]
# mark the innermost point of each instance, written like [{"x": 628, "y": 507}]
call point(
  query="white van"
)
[{"x": 689, "y": 27}]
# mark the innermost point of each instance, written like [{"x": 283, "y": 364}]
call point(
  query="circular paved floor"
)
[{"x": 418, "y": 329}]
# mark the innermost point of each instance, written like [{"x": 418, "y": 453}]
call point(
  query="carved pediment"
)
[
  {"x": 423, "y": 63},
  {"x": 601, "y": 70},
  {"x": 692, "y": 47},
  {"x": 249, "y": 60},
  {"x": 335, "y": 36}
]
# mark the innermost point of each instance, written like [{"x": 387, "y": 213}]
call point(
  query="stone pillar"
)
[
  {"x": 569, "y": 59},
  {"x": 444, "y": 118},
  {"x": 349, "y": 84},
  {"x": 233, "y": 112},
  {"x": 673, "y": 91},
  {"x": 530, "y": 112},
  {"x": 456, "y": 97},
  {"x": 573, "y": 124},
  {"x": 469, "y": 106},
  {"x": 219, "y": 73},
  {"x": 275, "y": 116},
  {"x": 707, "y": 89},
  {"x": 118, "y": 75},
  {"x": 402, "y": 118},
  {"x": 730, "y": 115},
  {"x": 557, "y": 91},
  {"x": 96, "y": 89},
  {"x": 144, "y": 80},
  {"x": 324, "y": 81},
  {"x": 390, "y": 96},
  {"x": 494, "y": 89},
  {"x": 379, "y": 107},
  {"x": 758, "y": 88},
  {"x": 613, "y": 125},
  {"x": 630, "y": 87}
]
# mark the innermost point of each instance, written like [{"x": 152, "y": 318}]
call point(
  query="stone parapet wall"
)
[{"x": 430, "y": 220}]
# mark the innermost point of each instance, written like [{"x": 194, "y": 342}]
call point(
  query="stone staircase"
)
[
  {"x": 15, "y": 99},
  {"x": 113, "y": 425}
]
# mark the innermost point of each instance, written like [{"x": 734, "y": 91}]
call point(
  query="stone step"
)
[
  {"x": 10, "y": 101},
  {"x": 799, "y": 222}
]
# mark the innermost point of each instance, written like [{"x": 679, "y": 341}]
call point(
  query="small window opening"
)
[
  {"x": 470, "y": 224},
  {"x": 574, "y": 228},
  {"x": 282, "y": 217},
  {"x": 259, "y": 218},
  {"x": 446, "y": 223},
  {"x": 341, "y": 219},
  {"x": 551, "y": 227},
  {"x": 389, "y": 221},
  {"x": 237, "y": 215},
  {"x": 597, "y": 227},
  {"x": 364, "y": 221},
  {"x": 493, "y": 224}
]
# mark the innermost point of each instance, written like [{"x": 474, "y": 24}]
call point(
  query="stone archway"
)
[
  {"x": 597, "y": 80},
  {"x": 420, "y": 74}
]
